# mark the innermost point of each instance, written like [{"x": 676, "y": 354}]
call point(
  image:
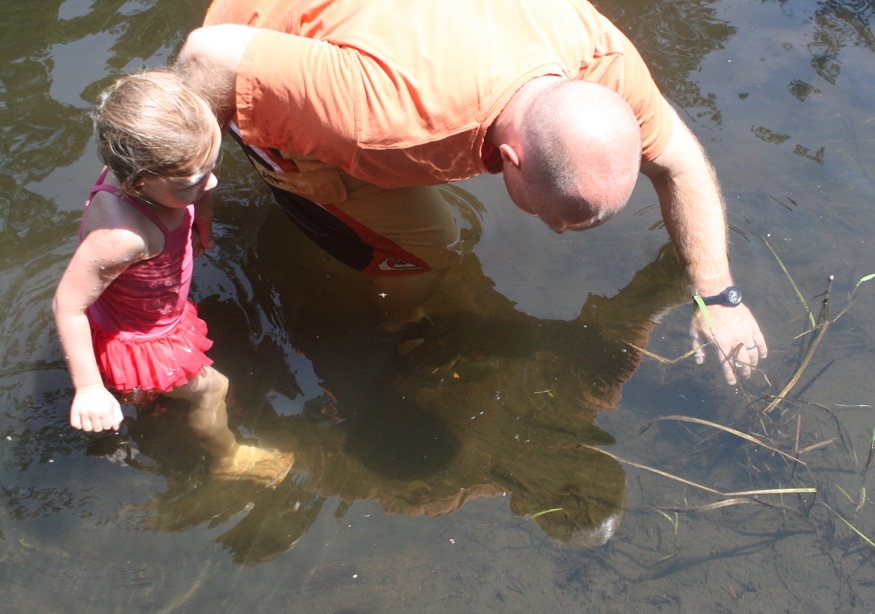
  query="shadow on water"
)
[
  {"x": 493, "y": 403},
  {"x": 495, "y": 406}
]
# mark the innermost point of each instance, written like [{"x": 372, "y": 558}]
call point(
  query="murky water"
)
[{"x": 466, "y": 479}]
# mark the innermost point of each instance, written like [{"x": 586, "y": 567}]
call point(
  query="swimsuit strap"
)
[{"x": 99, "y": 186}]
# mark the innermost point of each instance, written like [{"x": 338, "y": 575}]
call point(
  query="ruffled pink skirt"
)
[{"x": 148, "y": 366}]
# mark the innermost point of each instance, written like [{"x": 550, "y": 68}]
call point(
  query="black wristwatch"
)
[{"x": 731, "y": 297}]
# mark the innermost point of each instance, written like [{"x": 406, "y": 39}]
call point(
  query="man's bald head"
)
[{"x": 579, "y": 155}]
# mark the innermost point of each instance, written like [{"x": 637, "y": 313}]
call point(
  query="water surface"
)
[{"x": 454, "y": 485}]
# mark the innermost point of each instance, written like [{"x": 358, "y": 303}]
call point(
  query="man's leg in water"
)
[{"x": 400, "y": 240}]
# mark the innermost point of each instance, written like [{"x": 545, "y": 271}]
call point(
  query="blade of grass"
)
[
  {"x": 845, "y": 493},
  {"x": 852, "y": 527},
  {"x": 665, "y": 474},
  {"x": 703, "y": 308},
  {"x": 771, "y": 491},
  {"x": 861, "y": 281},
  {"x": 732, "y": 431},
  {"x": 662, "y": 359},
  {"x": 795, "y": 379},
  {"x": 710, "y": 506},
  {"x": 550, "y": 511},
  {"x": 871, "y": 450},
  {"x": 673, "y": 521},
  {"x": 726, "y": 503},
  {"x": 793, "y": 284},
  {"x": 816, "y": 446}
]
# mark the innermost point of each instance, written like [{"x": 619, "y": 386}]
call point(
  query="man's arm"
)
[
  {"x": 693, "y": 211},
  {"x": 208, "y": 64}
]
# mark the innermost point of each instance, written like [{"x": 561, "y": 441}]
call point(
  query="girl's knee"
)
[
  {"x": 214, "y": 382},
  {"x": 209, "y": 383}
]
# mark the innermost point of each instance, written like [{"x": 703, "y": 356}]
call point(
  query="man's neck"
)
[{"x": 509, "y": 122}]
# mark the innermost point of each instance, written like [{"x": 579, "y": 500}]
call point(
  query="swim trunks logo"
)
[{"x": 397, "y": 264}]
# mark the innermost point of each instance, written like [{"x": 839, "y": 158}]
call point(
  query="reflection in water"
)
[
  {"x": 838, "y": 24},
  {"x": 674, "y": 38},
  {"x": 53, "y": 63},
  {"x": 493, "y": 403},
  {"x": 63, "y": 514}
]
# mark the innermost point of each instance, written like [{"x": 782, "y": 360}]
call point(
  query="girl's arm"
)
[{"x": 101, "y": 257}]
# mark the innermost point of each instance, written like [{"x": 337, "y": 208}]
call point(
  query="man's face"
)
[
  {"x": 559, "y": 223},
  {"x": 558, "y": 219}
]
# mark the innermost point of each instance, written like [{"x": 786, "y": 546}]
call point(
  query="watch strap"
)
[{"x": 731, "y": 296}]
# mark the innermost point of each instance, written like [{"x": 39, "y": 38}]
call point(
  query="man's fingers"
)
[
  {"x": 699, "y": 352},
  {"x": 753, "y": 355},
  {"x": 739, "y": 344},
  {"x": 728, "y": 372}
]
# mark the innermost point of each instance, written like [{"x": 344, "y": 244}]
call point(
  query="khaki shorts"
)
[{"x": 372, "y": 229}]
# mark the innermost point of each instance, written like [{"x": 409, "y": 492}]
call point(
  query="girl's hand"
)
[
  {"x": 202, "y": 230},
  {"x": 197, "y": 248},
  {"x": 95, "y": 409}
]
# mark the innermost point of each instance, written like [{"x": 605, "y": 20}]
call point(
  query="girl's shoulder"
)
[{"x": 118, "y": 220}]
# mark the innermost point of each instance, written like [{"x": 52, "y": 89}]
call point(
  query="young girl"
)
[{"x": 125, "y": 323}]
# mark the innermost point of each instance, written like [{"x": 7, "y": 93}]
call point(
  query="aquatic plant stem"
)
[
  {"x": 852, "y": 527},
  {"x": 743, "y": 493},
  {"x": 795, "y": 379}
]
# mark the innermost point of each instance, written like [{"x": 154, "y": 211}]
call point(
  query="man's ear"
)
[{"x": 509, "y": 155}]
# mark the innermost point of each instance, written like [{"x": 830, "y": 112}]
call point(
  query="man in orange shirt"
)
[{"x": 353, "y": 112}]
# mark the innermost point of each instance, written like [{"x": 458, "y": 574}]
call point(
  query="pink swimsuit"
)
[{"x": 146, "y": 333}]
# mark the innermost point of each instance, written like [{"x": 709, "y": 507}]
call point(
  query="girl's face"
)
[{"x": 179, "y": 192}]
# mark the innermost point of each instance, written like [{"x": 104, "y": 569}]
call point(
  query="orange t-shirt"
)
[{"x": 401, "y": 93}]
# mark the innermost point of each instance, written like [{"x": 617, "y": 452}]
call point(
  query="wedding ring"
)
[{"x": 751, "y": 347}]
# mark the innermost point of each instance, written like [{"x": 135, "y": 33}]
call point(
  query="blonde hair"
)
[{"x": 151, "y": 124}]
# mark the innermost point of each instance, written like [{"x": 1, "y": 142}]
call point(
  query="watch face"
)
[{"x": 733, "y": 295}]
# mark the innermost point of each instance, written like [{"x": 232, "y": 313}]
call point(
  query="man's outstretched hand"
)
[{"x": 736, "y": 336}]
